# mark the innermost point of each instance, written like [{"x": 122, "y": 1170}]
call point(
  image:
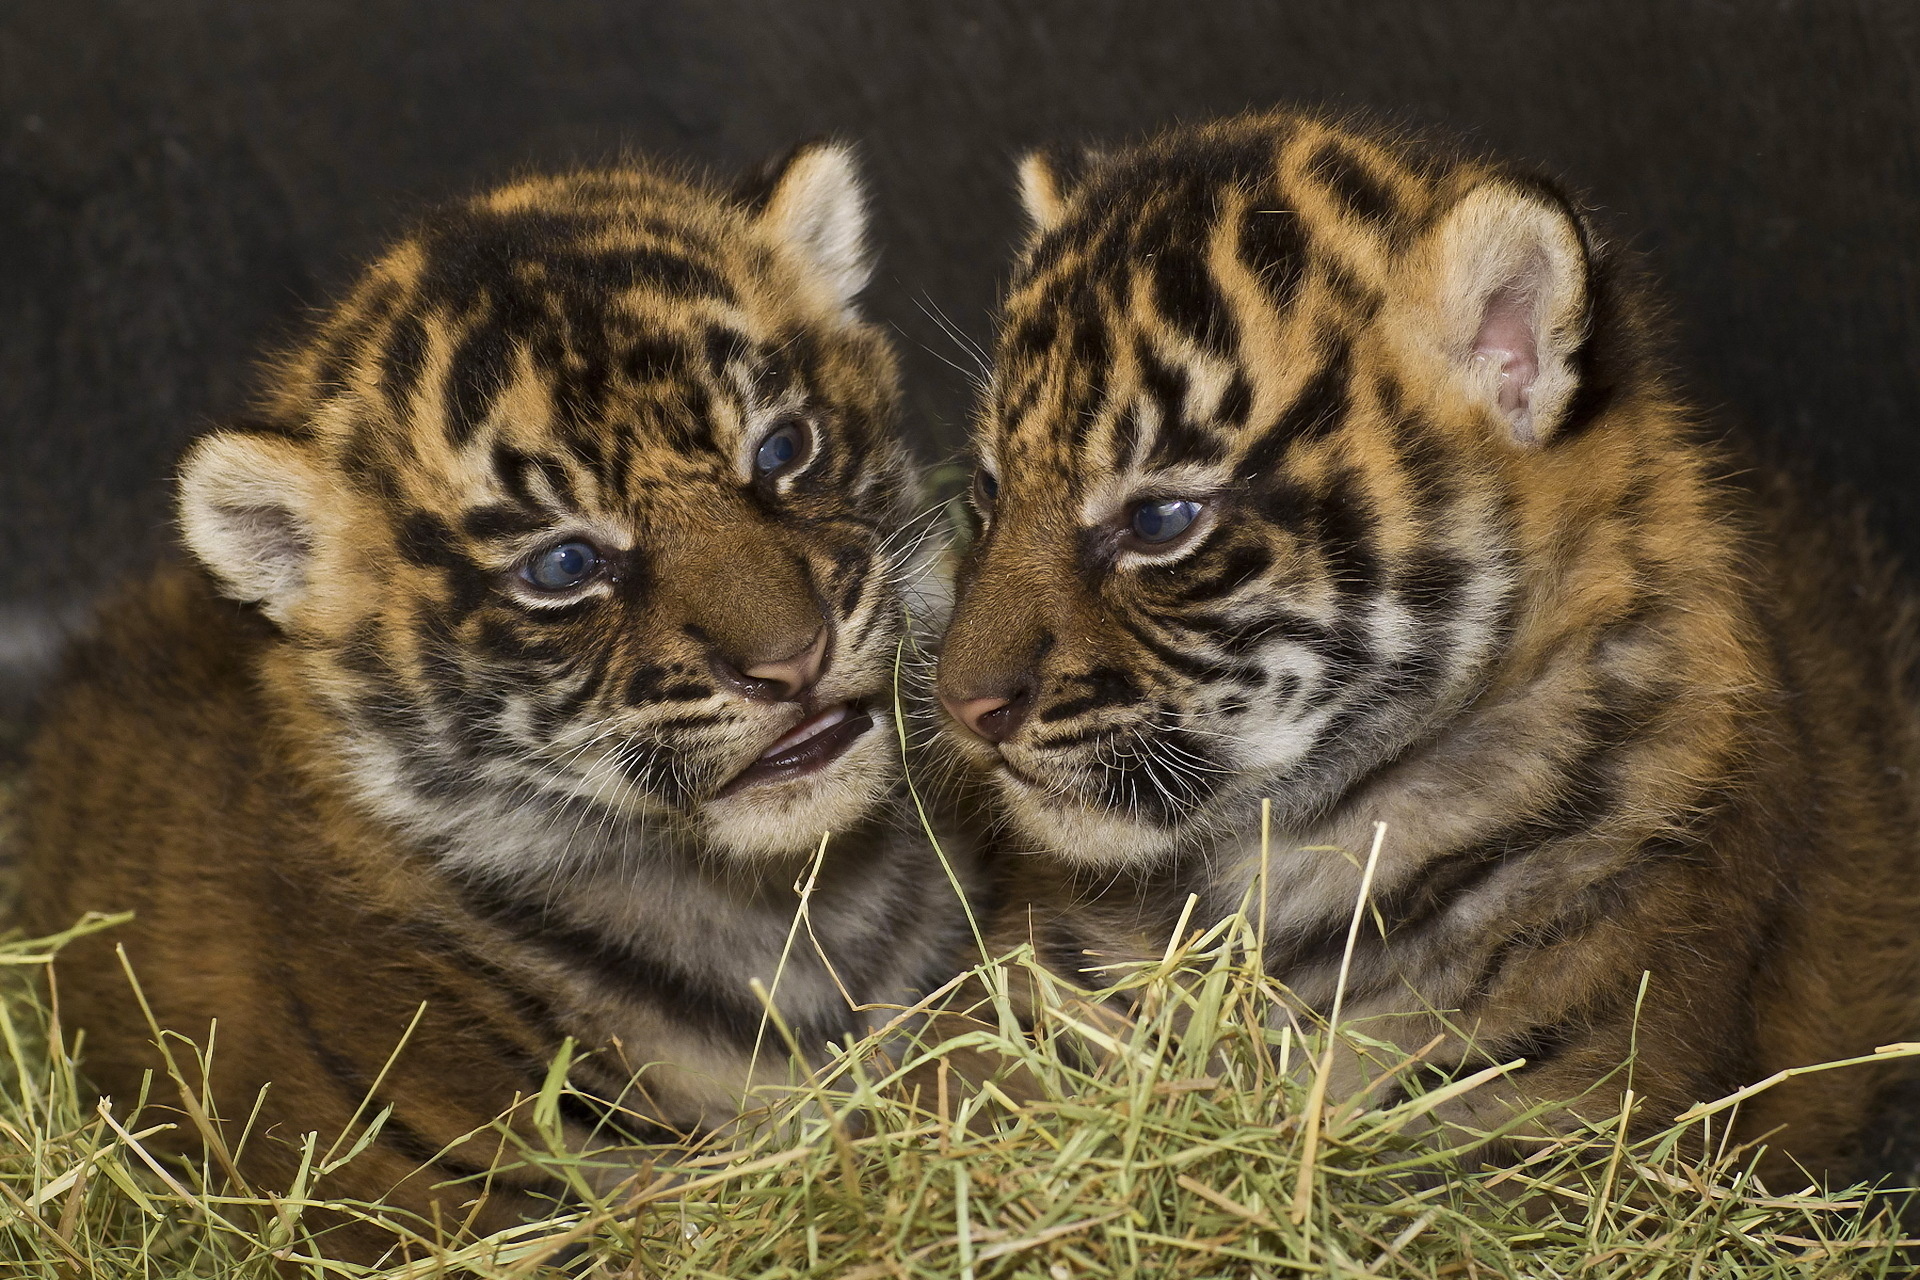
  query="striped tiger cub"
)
[
  {"x": 1343, "y": 470},
  {"x": 542, "y": 626}
]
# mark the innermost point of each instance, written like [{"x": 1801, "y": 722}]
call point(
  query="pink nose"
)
[
  {"x": 994, "y": 719},
  {"x": 777, "y": 679}
]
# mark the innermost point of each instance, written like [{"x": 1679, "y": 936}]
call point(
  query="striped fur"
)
[
  {"x": 1464, "y": 564},
  {"x": 393, "y": 768}
]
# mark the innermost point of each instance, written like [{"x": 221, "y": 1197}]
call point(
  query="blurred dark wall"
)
[{"x": 181, "y": 180}]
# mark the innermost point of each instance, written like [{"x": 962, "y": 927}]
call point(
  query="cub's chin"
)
[
  {"x": 782, "y": 817},
  {"x": 1082, "y": 834}
]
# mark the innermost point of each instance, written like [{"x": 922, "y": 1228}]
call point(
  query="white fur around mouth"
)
[{"x": 808, "y": 728}]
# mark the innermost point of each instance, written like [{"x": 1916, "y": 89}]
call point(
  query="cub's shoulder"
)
[
  {"x": 162, "y": 648},
  {"x": 147, "y": 745}
]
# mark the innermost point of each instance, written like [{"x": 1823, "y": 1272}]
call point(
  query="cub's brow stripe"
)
[
  {"x": 1320, "y": 407},
  {"x": 1359, "y": 192}
]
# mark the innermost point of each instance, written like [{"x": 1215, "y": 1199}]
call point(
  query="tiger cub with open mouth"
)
[
  {"x": 544, "y": 624},
  {"x": 1342, "y": 470}
]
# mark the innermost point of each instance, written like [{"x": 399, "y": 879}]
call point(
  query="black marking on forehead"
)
[
  {"x": 365, "y": 463},
  {"x": 652, "y": 358},
  {"x": 475, "y": 252},
  {"x": 426, "y": 540},
  {"x": 1164, "y": 383},
  {"x": 1321, "y": 406},
  {"x": 1071, "y": 317},
  {"x": 478, "y": 372},
  {"x": 1126, "y": 437},
  {"x": 687, "y": 426},
  {"x": 1273, "y": 243},
  {"x": 1196, "y": 168},
  {"x": 526, "y": 282},
  {"x": 1362, "y": 195},
  {"x": 499, "y": 521},
  {"x": 1236, "y": 402},
  {"x": 341, "y": 348},
  {"x": 1174, "y": 240},
  {"x": 724, "y": 346},
  {"x": 403, "y": 359},
  {"x": 517, "y": 470},
  {"x": 1027, "y": 338},
  {"x": 1362, "y": 301},
  {"x": 1179, "y": 441}
]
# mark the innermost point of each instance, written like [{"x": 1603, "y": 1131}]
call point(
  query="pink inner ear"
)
[{"x": 1507, "y": 339}]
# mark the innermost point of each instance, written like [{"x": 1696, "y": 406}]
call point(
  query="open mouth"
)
[{"x": 810, "y": 745}]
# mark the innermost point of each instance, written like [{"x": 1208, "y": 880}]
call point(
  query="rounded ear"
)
[
  {"x": 1511, "y": 303},
  {"x": 246, "y": 505},
  {"x": 1042, "y": 194},
  {"x": 1047, "y": 181},
  {"x": 813, "y": 202}
]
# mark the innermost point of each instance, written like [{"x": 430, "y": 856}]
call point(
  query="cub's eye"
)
[
  {"x": 785, "y": 445},
  {"x": 562, "y": 566},
  {"x": 986, "y": 488},
  {"x": 1157, "y": 522}
]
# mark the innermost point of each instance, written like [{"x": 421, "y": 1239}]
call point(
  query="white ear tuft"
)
[
  {"x": 1513, "y": 305},
  {"x": 817, "y": 206},
  {"x": 246, "y": 504},
  {"x": 1042, "y": 194}
]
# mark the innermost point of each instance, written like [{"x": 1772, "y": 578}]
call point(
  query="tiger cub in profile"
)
[
  {"x": 544, "y": 624},
  {"x": 1343, "y": 470}
]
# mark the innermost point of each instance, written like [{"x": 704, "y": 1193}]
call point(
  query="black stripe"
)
[
  {"x": 1103, "y": 687},
  {"x": 1273, "y": 243},
  {"x": 655, "y": 683},
  {"x": 403, "y": 361},
  {"x": 1175, "y": 249},
  {"x": 355, "y": 1085},
  {"x": 500, "y": 521},
  {"x": 475, "y": 376},
  {"x": 720, "y": 1015},
  {"x": 603, "y": 1118},
  {"x": 1350, "y": 182},
  {"x": 1320, "y": 407},
  {"x": 1237, "y": 568}
]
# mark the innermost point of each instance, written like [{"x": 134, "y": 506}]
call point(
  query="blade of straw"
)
[{"x": 1317, "y": 1091}]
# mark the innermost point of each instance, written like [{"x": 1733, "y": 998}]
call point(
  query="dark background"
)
[{"x": 181, "y": 181}]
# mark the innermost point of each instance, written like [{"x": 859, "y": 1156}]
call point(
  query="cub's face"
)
[
  {"x": 1264, "y": 397},
  {"x": 575, "y": 518}
]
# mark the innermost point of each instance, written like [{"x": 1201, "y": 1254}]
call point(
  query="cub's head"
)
[
  {"x": 1289, "y": 436},
  {"x": 577, "y": 511}
]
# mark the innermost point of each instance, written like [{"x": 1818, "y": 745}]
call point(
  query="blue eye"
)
[
  {"x": 783, "y": 446},
  {"x": 563, "y": 566},
  {"x": 1164, "y": 521},
  {"x": 986, "y": 488}
]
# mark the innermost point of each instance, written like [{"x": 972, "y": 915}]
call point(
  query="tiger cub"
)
[
  {"x": 1344, "y": 471},
  {"x": 543, "y": 627}
]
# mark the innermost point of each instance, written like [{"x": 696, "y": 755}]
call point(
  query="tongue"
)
[{"x": 806, "y": 729}]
